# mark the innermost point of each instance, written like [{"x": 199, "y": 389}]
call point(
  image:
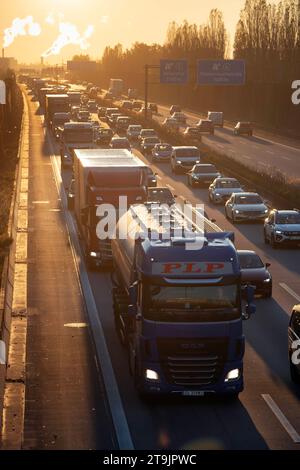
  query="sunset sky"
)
[{"x": 123, "y": 21}]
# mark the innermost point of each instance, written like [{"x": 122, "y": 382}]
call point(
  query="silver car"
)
[
  {"x": 222, "y": 188},
  {"x": 246, "y": 207},
  {"x": 282, "y": 227}
]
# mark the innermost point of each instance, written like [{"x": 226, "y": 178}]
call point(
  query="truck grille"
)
[
  {"x": 252, "y": 213},
  {"x": 290, "y": 234},
  {"x": 192, "y": 363}
]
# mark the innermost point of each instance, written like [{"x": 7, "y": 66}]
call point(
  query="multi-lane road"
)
[
  {"x": 73, "y": 401},
  {"x": 264, "y": 152}
]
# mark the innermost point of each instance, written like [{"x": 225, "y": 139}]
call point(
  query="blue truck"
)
[{"x": 179, "y": 311}]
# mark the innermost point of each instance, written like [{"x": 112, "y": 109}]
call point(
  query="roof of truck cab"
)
[
  {"x": 59, "y": 95},
  {"x": 105, "y": 157}
]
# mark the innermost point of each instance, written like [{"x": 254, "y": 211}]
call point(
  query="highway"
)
[
  {"x": 267, "y": 414},
  {"x": 260, "y": 152}
]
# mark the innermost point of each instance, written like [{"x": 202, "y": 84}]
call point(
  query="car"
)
[
  {"x": 202, "y": 174},
  {"x": 101, "y": 112},
  {"x": 59, "y": 119},
  {"x": 137, "y": 104},
  {"x": 153, "y": 107},
  {"x": 255, "y": 272},
  {"x": 222, "y": 188},
  {"x": 192, "y": 134},
  {"x": 147, "y": 133},
  {"x": 113, "y": 118},
  {"x": 71, "y": 195},
  {"x": 148, "y": 143},
  {"x": 282, "y": 227},
  {"x": 206, "y": 126},
  {"x": 110, "y": 111},
  {"x": 160, "y": 195},
  {"x": 120, "y": 143},
  {"x": 183, "y": 158},
  {"x": 104, "y": 136},
  {"x": 95, "y": 124},
  {"x": 92, "y": 106},
  {"x": 122, "y": 123},
  {"x": 83, "y": 116},
  {"x": 126, "y": 104},
  {"x": 171, "y": 123},
  {"x": 246, "y": 206},
  {"x": 175, "y": 108},
  {"x": 149, "y": 112},
  {"x": 132, "y": 93},
  {"x": 161, "y": 152},
  {"x": 151, "y": 178},
  {"x": 216, "y": 117},
  {"x": 133, "y": 131},
  {"x": 180, "y": 117},
  {"x": 243, "y": 127},
  {"x": 294, "y": 344}
]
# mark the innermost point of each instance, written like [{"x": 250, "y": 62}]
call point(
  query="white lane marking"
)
[
  {"x": 170, "y": 187},
  {"x": 271, "y": 152},
  {"x": 290, "y": 291},
  {"x": 286, "y": 158},
  {"x": 246, "y": 156},
  {"x": 262, "y": 163},
  {"x": 112, "y": 391},
  {"x": 281, "y": 418}
]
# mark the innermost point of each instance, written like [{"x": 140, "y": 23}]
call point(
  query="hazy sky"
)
[{"x": 123, "y": 21}]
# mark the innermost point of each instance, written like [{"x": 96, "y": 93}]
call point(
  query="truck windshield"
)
[
  {"x": 192, "y": 303},
  {"x": 78, "y": 136}
]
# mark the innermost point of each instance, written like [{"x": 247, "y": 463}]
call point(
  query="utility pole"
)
[{"x": 146, "y": 89}]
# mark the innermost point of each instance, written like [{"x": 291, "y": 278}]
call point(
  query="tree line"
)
[{"x": 267, "y": 36}]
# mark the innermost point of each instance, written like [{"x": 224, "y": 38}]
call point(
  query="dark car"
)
[
  {"x": 255, "y": 272},
  {"x": 148, "y": 144},
  {"x": 206, "y": 126},
  {"x": 192, "y": 134},
  {"x": 160, "y": 196},
  {"x": 104, "y": 136},
  {"x": 294, "y": 344},
  {"x": 243, "y": 127},
  {"x": 152, "y": 180},
  {"x": 101, "y": 112},
  {"x": 120, "y": 143},
  {"x": 202, "y": 174}
]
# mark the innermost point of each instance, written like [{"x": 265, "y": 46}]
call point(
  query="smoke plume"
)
[
  {"x": 69, "y": 34},
  {"x": 21, "y": 27}
]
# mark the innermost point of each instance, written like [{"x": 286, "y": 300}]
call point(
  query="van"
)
[{"x": 216, "y": 117}]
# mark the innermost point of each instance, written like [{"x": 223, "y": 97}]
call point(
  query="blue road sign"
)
[
  {"x": 173, "y": 71},
  {"x": 221, "y": 72}
]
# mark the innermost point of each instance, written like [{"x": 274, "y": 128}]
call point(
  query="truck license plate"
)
[{"x": 193, "y": 393}]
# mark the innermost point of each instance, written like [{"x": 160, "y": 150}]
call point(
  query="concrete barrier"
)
[{"x": 8, "y": 274}]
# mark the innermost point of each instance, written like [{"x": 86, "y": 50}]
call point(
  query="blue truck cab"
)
[{"x": 179, "y": 311}]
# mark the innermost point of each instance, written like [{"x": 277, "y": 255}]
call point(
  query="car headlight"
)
[
  {"x": 197, "y": 161},
  {"x": 218, "y": 194},
  {"x": 267, "y": 280},
  {"x": 233, "y": 374},
  {"x": 179, "y": 162},
  {"x": 279, "y": 232},
  {"x": 236, "y": 211},
  {"x": 151, "y": 375},
  {"x": 93, "y": 254},
  {"x": 266, "y": 211}
]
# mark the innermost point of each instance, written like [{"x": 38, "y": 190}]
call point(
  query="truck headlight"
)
[
  {"x": 93, "y": 254},
  {"x": 197, "y": 161},
  {"x": 232, "y": 375},
  {"x": 151, "y": 375}
]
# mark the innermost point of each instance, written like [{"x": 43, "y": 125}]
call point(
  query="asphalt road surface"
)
[{"x": 267, "y": 414}]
